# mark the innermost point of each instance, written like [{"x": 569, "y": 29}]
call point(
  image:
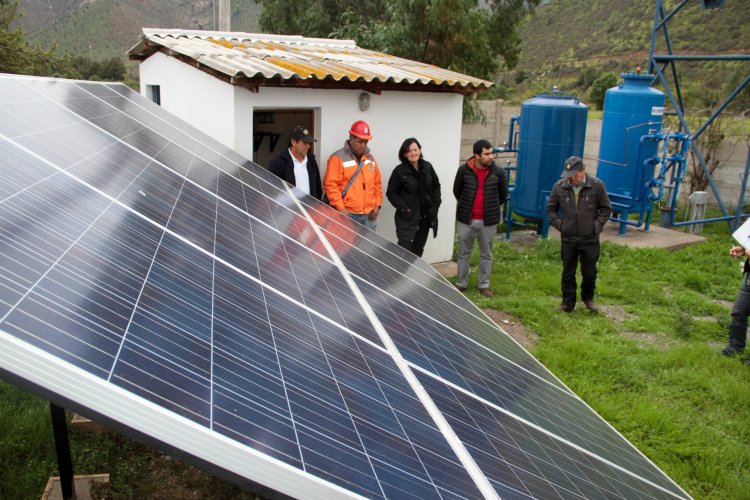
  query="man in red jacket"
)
[{"x": 480, "y": 189}]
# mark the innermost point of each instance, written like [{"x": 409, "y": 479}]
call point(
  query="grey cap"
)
[
  {"x": 572, "y": 166},
  {"x": 302, "y": 134}
]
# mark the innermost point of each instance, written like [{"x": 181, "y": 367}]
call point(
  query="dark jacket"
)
[
  {"x": 465, "y": 188},
  {"x": 283, "y": 167},
  {"x": 410, "y": 191},
  {"x": 585, "y": 221}
]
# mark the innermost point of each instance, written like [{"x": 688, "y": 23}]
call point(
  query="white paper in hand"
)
[{"x": 742, "y": 234}]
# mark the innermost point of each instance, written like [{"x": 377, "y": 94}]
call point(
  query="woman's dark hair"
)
[{"x": 405, "y": 147}]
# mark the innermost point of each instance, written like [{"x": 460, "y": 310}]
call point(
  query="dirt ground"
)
[
  {"x": 528, "y": 338},
  {"x": 513, "y": 327}
]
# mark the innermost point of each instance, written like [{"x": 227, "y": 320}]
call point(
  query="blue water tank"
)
[
  {"x": 632, "y": 110},
  {"x": 553, "y": 127}
]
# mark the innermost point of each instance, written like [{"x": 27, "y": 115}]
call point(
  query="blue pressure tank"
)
[
  {"x": 632, "y": 116},
  {"x": 553, "y": 127}
]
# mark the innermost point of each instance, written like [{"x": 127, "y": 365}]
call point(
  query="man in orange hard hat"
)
[{"x": 352, "y": 180}]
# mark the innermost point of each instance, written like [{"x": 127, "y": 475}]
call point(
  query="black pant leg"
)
[
  {"x": 740, "y": 312},
  {"x": 406, "y": 229},
  {"x": 569, "y": 255},
  {"x": 589, "y": 255},
  {"x": 417, "y": 246}
]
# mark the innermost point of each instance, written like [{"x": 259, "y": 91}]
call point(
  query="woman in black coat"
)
[{"x": 414, "y": 189}]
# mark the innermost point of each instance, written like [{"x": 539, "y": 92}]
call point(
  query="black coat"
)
[
  {"x": 405, "y": 192},
  {"x": 465, "y": 189},
  {"x": 584, "y": 221},
  {"x": 283, "y": 167}
]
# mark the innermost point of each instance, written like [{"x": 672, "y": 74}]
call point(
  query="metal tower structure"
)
[{"x": 659, "y": 64}]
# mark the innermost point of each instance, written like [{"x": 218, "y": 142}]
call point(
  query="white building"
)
[{"x": 249, "y": 90}]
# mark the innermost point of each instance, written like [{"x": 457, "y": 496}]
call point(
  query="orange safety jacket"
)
[{"x": 365, "y": 193}]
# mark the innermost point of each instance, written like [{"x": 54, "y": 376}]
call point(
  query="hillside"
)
[
  {"x": 613, "y": 28},
  {"x": 568, "y": 45},
  {"x": 103, "y": 29}
]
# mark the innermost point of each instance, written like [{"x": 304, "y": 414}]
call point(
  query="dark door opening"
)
[{"x": 271, "y": 128}]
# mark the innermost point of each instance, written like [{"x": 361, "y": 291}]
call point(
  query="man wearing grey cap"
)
[
  {"x": 297, "y": 165},
  {"x": 578, "y": 207}
]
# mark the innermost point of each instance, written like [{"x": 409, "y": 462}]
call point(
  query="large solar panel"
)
[{"x": 153, "y": 279}]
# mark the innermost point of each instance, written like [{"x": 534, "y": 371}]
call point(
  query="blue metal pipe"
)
[
  {"x": 511, "y": 138},
  {"x": 646, "y": 202},
  {"x": 715, "y": 219},
  {"x": 680, "y": 57}
]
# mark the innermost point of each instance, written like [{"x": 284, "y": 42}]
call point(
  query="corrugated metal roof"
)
[{"x": 298, "y": 59}]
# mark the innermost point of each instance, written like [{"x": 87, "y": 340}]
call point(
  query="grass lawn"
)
[{"x": 650, "y": 365}]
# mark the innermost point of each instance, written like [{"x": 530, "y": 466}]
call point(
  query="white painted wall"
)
[
  {"x": 225, "y": 112},
  {"x": 203, "y": 101},
  {"x": 434, "y": 119}
]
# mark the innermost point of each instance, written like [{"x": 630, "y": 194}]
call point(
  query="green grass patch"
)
[{"x": 654, "y": 372}]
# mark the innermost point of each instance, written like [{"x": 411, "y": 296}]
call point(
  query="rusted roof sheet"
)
[{"x": 296, "y": 58}]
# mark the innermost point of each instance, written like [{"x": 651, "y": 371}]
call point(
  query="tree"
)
[
  {"x": 109, "y": 69},
  {"x": 460, "y": 35},
  {"x": 599, "y": 88},
  {"x": 16, "y": 56},
  {"x": 709, "y": 143}
]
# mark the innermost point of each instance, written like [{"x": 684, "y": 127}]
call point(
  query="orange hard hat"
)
[{"x": 360, "y": 129}]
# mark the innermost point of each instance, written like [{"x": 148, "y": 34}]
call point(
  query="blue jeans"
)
[
  {"x": 364, "y": 220},
  {"x": 467, "y": 233},
  {"x": 740, "y": 312}
]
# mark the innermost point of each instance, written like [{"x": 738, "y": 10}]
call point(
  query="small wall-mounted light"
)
[{"x": 364, "y": 101}]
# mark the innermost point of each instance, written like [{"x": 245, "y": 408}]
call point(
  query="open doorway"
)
[{"x": 271, "y": 129}]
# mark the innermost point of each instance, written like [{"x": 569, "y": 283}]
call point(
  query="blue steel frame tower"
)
[{"x": 659, "y": 65}]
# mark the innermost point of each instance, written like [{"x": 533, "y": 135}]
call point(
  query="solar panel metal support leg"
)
[{"x": 62, "y": 447}]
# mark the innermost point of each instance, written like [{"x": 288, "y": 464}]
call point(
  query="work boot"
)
[
  {"x": 461, "y": 288},
  {"x": 567, "y": 308},
  {"x": 731, "y": 350},
  {"x": 591, "y": 305},
  {"x": 486, "y": 292}
]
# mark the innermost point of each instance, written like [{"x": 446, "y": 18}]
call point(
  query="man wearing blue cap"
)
[{"x": 578, "y": 207}]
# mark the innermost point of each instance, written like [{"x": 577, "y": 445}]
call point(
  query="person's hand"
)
[
  {"x": 374, "y": 214},
  {"x": 345, "y": 212},
  {"x": 737, "y": 251}
]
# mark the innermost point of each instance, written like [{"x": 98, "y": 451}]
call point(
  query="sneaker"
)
[
  {"x": 567, "y": 308},
  {"x": 591, "y": 305},
  {"x": 461, "y": 288},
  {"x": 486, "y": 292},
  {"x": 731, "y": 350}
]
